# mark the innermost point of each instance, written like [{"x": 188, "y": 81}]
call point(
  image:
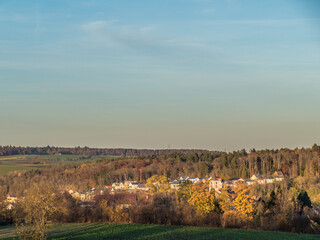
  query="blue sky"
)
[{"x": 218, "y": 75}]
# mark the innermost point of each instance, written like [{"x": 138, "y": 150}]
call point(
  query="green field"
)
[
  {"x": 28, "y": 162},
  {"x": 136, "y": 231},
  {"x": 6, "y": 168}
]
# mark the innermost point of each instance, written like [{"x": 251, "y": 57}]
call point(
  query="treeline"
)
[
  {"x": 13, "y": 150},
  {"x": 78, "y": 177},
  {"x": 292, "y": 205}
]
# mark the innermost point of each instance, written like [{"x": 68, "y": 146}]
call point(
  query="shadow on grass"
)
[{"x": 137, "y": 231}]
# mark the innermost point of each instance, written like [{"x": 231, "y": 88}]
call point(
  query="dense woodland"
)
[
  {"x": 13, "y": 150},
  {"x": 293, "y": 163},
  {"x": 292, "y": 205}
]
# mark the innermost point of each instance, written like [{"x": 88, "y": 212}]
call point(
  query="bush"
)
[
  {"x": 28, "y": 232},
  {"x": 233, "y": 220}
]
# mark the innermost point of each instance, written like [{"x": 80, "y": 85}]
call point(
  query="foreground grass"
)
[{"x": 97, "y": 231}]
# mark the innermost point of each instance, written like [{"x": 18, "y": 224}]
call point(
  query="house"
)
[
  {"x": 269, "y": 180},
  {"x": 184, "y": 178},
  {"x": 85, "y": 195},
  {"x": 75, "y": 195},
  {"x": 261, "y": 181},
  {"x": 11, "y": 199},
  {"x": 234, "y": 181},
  {"x": 256, "y": 177},
  {"x": 216, "y": 184},
  {"x": 133, "y": 185},
  {"x": 249, "y": 182},
  {"x": 10, "y": 206},
  {"x": 117, "y": 186},
  {"x": 278, "y": 175},
  {"x": 175, "y": 184},
  {"x": 194, "y": 180},
  {"x": 142, "y": 187},
  {"x": 71, "y": 191}
]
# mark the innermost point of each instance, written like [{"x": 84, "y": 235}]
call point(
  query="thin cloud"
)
[
  {"x": 147, "y": 29},
  {"x": 144, "y": 39},
  {"x": 97, "y": 25},
  {"x": 262, "y": 22}
]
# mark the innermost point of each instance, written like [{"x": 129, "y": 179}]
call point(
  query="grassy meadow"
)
[
  {"x": 28, "y": 162},
  {"x": 157, "y": 232}
]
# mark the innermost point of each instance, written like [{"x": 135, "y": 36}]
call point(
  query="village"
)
[
  {"x": 215, "y": 182},
  {"x": 86, "y": 197}
]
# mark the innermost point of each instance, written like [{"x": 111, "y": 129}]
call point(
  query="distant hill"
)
[{"x": 13, "y": 150}]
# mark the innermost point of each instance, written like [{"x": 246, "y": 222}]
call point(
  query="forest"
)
[
  {"x": 49, "y": 150},
  {"x": 292, "y": 205}
]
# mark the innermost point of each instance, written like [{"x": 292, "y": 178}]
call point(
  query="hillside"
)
[{"x": 101, "y": 231}]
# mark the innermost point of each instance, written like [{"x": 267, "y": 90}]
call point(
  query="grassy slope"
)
[
  {"x": 6, "y": 168},
  {"x": 133, "y": 231}
]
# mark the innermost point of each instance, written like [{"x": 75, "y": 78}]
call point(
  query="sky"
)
[{"x": 216, "y": 75}]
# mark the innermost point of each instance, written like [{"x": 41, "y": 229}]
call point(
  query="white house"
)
[
  {"x": 249, "y": 182},
  {"x": 261, "y": 181},
  {"x": 184, "y": 178},
  {"x": 269, "y": 180},
  {"x": 216, "y": 184},
  {"x": 117, "y": 186},
  {"x": 194, "y": 180},
  {"x": 175, "y": 184},
  {"x": 142, "y": 187},
  {"x": 133, "y": 185}
]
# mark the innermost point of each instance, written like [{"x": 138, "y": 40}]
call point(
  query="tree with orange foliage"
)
[
  {"x": 225, "y": 200},
  {"x": 243, "y": 204},
  {"x": 203, "y": 199}
]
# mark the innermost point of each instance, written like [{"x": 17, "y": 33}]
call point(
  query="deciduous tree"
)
[
  {"x": 243, "y": 204},
  {"x": 202, "y": 199},
  {"x": 158, "y": 184}
]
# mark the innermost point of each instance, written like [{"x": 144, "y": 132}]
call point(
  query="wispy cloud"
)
[
  {"x": 97, "y": 25},
  {"x": 262, "y": 22},
  {"x": 14, "y": 17},
  {"x": 144, "y": 39},
  {"x": 147, "y": 29}
]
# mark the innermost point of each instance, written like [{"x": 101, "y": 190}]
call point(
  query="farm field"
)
[
  {"x": 28, "y": 162},
  {"x": 139, "y": 231}
]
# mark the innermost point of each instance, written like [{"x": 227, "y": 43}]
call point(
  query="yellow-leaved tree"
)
[
  {"x": 243, "y": 203},
  {"x": 202, "y": 199},
  {"x": 225, "y": 201},
  {"x": 158, "y": 184}
]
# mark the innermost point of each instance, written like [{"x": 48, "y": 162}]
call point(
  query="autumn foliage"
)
[{"x": 202, "y": 199}]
